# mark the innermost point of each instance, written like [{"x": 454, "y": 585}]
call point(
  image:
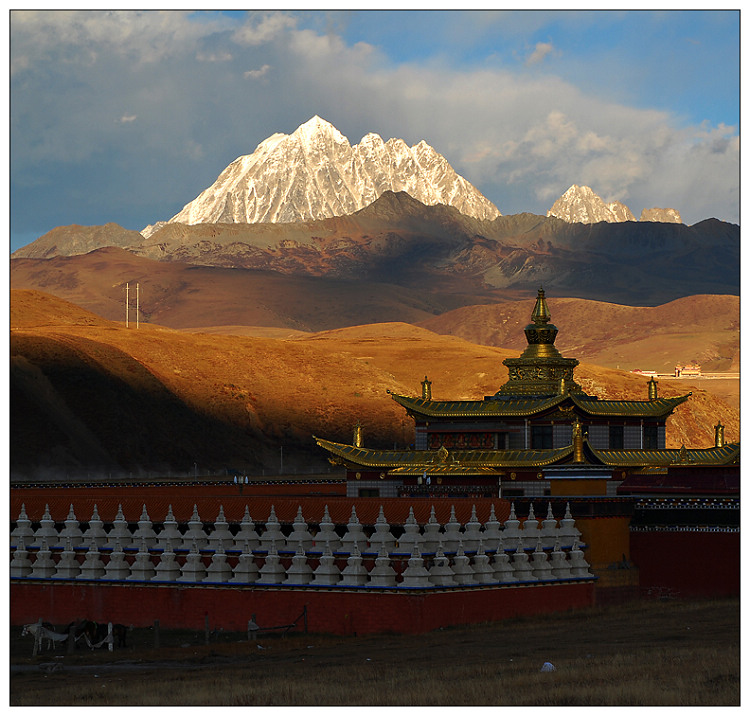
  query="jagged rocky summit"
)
[
  {"x": 580, "y": 204},
  {"x": 314, "y": 173},
  {"x": 665, "y": 216}
]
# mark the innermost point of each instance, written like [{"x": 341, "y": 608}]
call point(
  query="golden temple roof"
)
[
  {"x": 522, "y": 406},
  {"x": 456, "y": 460},
  {"x": 477, "y": 462},
  {"x": 725, "y": 455}
]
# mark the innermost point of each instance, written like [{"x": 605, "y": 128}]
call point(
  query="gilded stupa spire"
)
[
  {"x": 540, "y": 314},
  {"x": 540, "y": 370},
  {"x": 541, "y": 334}
]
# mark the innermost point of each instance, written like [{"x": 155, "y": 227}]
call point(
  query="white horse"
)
[{"x": 44, "y": 633}]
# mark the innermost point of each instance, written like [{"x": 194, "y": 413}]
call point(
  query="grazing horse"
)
[
  {"x": 83, "y": 628},
  {"x": 119, "y": 634},
  {"x": 45, "y": 632},
  {"x": 95, "y": 634}
]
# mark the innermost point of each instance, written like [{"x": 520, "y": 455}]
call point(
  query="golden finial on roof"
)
[
  {"x": 577, "y": 441},
  {"x": 540, "y": 315},
  {"x": 426, "y": 389},
  {"x": 652, "y": 390},
  {"x": 358, "y": 435},
  {"x": 719, "y": 435}
]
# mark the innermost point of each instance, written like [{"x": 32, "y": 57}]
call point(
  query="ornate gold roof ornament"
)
[
  {"x": 443, "y": 455},
  {"x": 683, "y": 453},
  {"x": 357, "y": 442},
  {"x": 563, "y": 386},
  {"x": 426, "y": 389},
  {"x": 652, "y": 389},
  {"x": 566, "y": 413},
  {"x": 540, "y": 369},
  {"x": 540, "y": 315},
  {"x": 577, "y": 441},
  {"x": 719, "y": 435}
]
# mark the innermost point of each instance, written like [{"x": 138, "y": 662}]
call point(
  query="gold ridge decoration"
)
[
  {"x": 426, "y": 389},
  {"x": 719, "y": 435},
  {"x": 577, "y": 441}
]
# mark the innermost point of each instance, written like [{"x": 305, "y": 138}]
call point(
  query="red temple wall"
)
[
  {"x": 333, "y": 611},
  {"x": 687, "y": 564}
]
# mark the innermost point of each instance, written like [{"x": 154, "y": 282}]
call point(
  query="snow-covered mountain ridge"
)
[
  {"x": 580, "y": 204},
  {"x": 314, "y": 173}
]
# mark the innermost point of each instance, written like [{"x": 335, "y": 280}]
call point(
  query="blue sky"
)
[{"x": 128, "y": 116}]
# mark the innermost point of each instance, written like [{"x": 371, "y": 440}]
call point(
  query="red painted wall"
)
[
  {"x": 333, "y": 611},
  {"x": 687, "y": 564}
]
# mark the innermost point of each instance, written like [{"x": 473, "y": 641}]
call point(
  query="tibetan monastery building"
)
[{"x": 539, "y": 435}]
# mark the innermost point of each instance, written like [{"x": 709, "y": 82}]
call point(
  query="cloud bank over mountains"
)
[{"x": 126, "y": 116}]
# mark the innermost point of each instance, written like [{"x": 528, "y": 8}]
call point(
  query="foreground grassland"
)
[{"x": 641, "y": 654}]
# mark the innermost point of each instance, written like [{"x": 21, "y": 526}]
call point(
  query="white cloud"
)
[
  {"x": 541, "y": 51},
  {"x": 213, "y": 57},
  {"x": 262, "y": 28},
  {"x": 523, "y": 139},
  {"x": 257, "y": 74}
]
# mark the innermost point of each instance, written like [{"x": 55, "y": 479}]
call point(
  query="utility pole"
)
[
  {"x": 127, "y": 304},
  {"x": 137, "y": 304}
]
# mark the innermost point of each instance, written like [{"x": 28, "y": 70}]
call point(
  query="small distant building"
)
[{"x": 689, "y": 370}]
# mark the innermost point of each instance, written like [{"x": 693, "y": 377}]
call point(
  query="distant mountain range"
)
[
  {"x": 580, "y": 204},
  {"x": 438, "y": 250},
  {"x": 314, "y": 173},
  {"x": 311, "y": 205}
]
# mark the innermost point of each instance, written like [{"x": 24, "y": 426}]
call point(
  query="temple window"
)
[
  {"x": 616, "y": 437},
  {"x": 650, "y": 437},
  {"x": 541, "y": 437}
]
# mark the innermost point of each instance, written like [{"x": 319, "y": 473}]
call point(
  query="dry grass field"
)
[{"x": 659, "y": 653}]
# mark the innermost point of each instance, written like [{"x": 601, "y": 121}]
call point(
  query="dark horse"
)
[
  {"x": 97, "y": 632},
  {"x": 119, "y": 633}
]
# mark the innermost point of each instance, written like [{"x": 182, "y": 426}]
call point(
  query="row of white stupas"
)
[
  {"x": 438, "y": 571},
  {"x": 493, "y": 535}
]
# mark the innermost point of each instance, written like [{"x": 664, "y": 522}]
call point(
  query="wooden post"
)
[
  {"x": 71, "y": 638},
  {"x": 156, "y": 634},
  {"x": 37, "y": 637}
]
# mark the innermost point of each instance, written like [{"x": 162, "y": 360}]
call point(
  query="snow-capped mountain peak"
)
[
  {"x": 580, "y": 204},
  {"x": 314, "y": 173}
]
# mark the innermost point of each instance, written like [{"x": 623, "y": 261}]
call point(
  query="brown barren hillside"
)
[
  {"x": 704, "y": 329},
  {"x": 180, "y": 295},
  {"x": 99, "y": 396}
]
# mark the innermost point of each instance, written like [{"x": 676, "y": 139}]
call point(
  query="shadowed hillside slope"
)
[
  {"x": 181, "y": 295},
  {"x": 695, "y": 329},
  {"x": 399, "y": 241},
  {"x": 92, "y": 395}
]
